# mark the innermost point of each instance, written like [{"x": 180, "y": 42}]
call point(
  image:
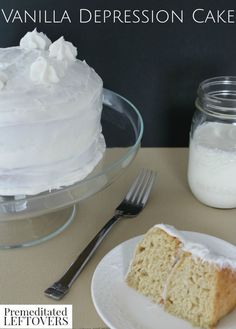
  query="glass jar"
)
[{"x": 212, "y": 148}]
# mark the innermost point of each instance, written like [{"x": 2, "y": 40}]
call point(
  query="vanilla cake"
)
[
  {"x": 189, "y": 279},
  {"x": 50, "y": 112}
]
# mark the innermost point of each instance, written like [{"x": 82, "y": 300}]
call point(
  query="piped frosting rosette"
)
[{"x": 42, "y": 71}]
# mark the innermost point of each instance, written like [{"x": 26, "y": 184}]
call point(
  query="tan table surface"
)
[{"x": 25, "y": 273}]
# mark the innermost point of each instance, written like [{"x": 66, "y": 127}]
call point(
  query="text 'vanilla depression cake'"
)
[
  {"x": 50, "y": 112},
  {"x": 192, "y": 281}
]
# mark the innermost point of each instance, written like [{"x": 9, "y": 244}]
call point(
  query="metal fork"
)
[{"x": 134, "y": 201}]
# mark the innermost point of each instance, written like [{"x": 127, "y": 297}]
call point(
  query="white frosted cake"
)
[{"x": 50, "y": 111}]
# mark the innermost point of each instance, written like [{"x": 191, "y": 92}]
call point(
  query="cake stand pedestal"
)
[{"x": 28, "y": 220}]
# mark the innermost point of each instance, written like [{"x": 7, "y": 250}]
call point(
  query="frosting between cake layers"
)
[{"x": 205, "y": 253}]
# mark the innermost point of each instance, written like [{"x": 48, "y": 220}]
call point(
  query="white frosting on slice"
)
[
  {"x": 166, "y": 284},
  {"x": 42, "y": 72},
  {"x": 63, "y": 50},
  {"x": 204, "y": 252},
  {"x": 35, "y": 40},
  {"x": 3, "y": 80}
]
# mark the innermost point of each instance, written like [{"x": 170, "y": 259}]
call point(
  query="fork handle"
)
[{"x": 61, "y": 287}]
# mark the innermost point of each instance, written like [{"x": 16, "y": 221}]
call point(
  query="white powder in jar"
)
[{"x": 212, "y": 164}]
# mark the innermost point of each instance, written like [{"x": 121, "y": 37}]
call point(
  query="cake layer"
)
[
  {"x": 24, "y": 101},
  {"x": 154, "y": 255},
  {"x": 46, "y": 143},
  {"x": 200, "y": 292},
  {"x": 33, "y": 180}
]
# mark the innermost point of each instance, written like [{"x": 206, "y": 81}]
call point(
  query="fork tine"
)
[
  {"x": 144, "y": 186},
  {"x": 134, "y": 185},
  {"x": 147, "y": 190},
  {"x": 140, "y": 186}
]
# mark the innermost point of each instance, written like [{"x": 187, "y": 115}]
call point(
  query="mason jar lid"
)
[{"x": 217, "y": 97}]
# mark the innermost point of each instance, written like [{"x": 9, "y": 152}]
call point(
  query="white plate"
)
[{"x": 120, "y": 307}]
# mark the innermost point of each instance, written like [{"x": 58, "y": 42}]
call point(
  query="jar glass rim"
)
[{"x": 217, "y": 96}]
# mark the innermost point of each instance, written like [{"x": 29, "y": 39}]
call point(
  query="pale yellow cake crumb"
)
[{"x": 189, "y": 288}]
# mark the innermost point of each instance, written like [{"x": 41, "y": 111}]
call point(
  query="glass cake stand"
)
[{"x": 28, "y": 220}]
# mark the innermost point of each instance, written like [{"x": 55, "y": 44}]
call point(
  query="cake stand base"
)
[{"x": 33, "y": 230}]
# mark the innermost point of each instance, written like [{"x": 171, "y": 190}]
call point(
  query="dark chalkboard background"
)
[{"x": 157, "y": 66}]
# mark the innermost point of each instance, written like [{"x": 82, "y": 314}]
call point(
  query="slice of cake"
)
[{"x": 192, "y": 281}]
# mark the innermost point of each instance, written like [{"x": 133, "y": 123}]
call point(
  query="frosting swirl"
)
[
  {"x": 35, "y": 40},
  {"x": 63, "y": 50},
  {"x": 42, "y": 72},
  {"x": 3, "y": 80}
]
